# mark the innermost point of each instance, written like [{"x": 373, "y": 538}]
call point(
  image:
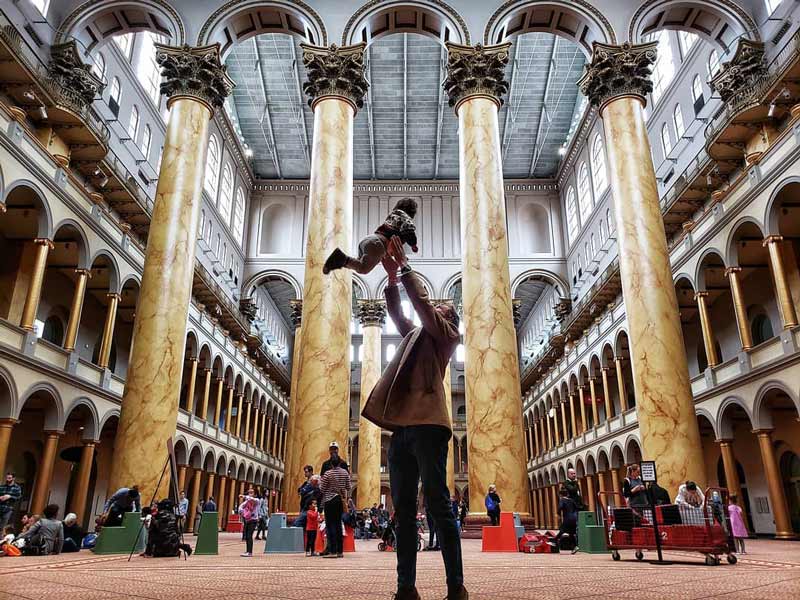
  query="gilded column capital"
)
[
  {"x": 616, "y": 71},
  {"x": 730, "y": 270},
  {"x": 335, "y": 72},
  {"x": 114, "y": 296},
  {"x": 700, "y": 294},
  {"x": 476, "y": 71},
  {"x": 371, "y": 313},
  {"x": 736, "y": 81},
  {"x": 296, "y": 307},
  {"x": 84, "y": 273},
  {"x": 44, "y": 242},
  {"x": 194, "y": 72},
  {"x": 79, "y": 85},
  {"x": 772, "y": 239}
]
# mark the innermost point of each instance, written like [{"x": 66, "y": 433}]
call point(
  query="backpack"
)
[
  {"x": 89, "y": 541},
  {"x": 490, "y": 505}
]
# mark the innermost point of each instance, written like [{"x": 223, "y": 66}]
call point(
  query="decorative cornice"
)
[
  {"x": 402, "y": 187},
  {"x": 371, "y": 312},
  {"x": 616, "y": 71},
  {"x": 194, "y": 72},
  {"x": 335, "y": 72},
  {"x": 76, "y": 78},
  {"x": 373, "y": 4},
  {"x": 738, "y": 76},
  {"x": 476, "y": 71}
]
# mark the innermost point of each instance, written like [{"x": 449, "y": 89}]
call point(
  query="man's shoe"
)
[
  {"x": 339, "y": 555},
  {"x": 246, "y": 554},
  {"x": 406, "y": 594},
  {"x": 330, "y": 556},
  {"x": 574, "y": 550},
  {"x": 459, "y": 593},
  {"x": 336, "y": 260}
]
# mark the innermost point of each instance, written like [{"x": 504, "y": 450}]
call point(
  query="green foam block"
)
[
  {"x": 120, "y": 540},
  {"x": 207, "y": 534}
]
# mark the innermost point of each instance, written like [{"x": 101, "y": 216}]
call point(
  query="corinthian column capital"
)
[
  {"x": 616, "y": 71},
  {"x": 476, "y": 71},
  {"x": 194, "y": 72},
  {"x": 335, "y": 71},
  {"x": 76, "y": 79},
  {"x": 736, "y": 81},
  {"x": 371, "y": 313},
  {"x": 297, "y": 312}
]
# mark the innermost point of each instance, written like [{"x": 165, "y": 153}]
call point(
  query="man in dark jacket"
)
[
  {"x": 574, "y": 489},
  {"x": 409, "y": 400},
  {"x": 162, "y": 535},
  {"x": 124, "y": 500},
  {"x": 10, "y": 493}
]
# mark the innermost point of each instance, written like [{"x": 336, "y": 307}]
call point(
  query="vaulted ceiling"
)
[{"x": 405, "y": 130}]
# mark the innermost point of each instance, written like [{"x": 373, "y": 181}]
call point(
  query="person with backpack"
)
[
  {"x": 248, "y": 511},
  {"x": 492, "y": 503}
]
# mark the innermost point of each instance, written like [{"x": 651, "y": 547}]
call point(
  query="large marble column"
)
[
  {"x": 617, "y": 81},
  {"x": 783, "y": 292},
  {"x": 76, "y": 309},
  {"x": 196, "y": 84},
  {"x": 108, "y": 331},
  {"x": 475, "y": 86},
  {"x": 371, "y": 315},
  {"x": 777, "y": 496},
  {"x": 705, "y": 325},
  {"x": 740, "y": 307},
  {"x": 336, "y": 86},
  {"x": 42, "y": 248},
  {"x": 41, "y": 488},
  {"x": 81, "y": 490}
]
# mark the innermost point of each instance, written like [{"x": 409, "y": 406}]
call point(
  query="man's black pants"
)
[
  {"x": 333, "y": 525},
  {"x": 420, "y": 452}
]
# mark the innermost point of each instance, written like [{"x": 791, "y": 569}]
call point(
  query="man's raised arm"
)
[{"x": 392, "y": 295}]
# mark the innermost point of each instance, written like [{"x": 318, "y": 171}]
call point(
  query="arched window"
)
[
  {"x": 584, "y": 193},
  {"x": 226, "y": 194},
  {"x": 202, "y": 232},
  {"x": 664, "y": 67},
  {"x": 147, "y": 140},
  {"x": 713, "y": 63},
  {"x": 593, "y": 245},
  {"x": 99, "y": 65},
  {"x": 677, "y": 120},
  {"x": 124, "y": 43},
  {"x": 572, "y": 214},
  {"x": 610, "y": 221},
  {"x": 133, "y": 123},
  {"x": 666, "y": 141},
  {"x": 598, "y": 166},
  {"x": 697, "y": 94},
  {"x": 113, "y": 96},
  {"x": 460, "y": 353},
  {"x": 603, "y": 231},
  {"x": 148, "y": 71},
  {"x": 390, "y": 350},
  {"x": 53, "y": 330},
  {"x": 212, "y": 166},
  {"x": 687, "y": 41},
  {"x": 761, "y": 329},
  {"x": 238, "y": 217}
]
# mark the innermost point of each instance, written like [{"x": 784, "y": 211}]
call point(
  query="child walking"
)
[
  {"x": 372, "y": 248},
  {"x": 312, "y": 524},
  {"x": 738, "y": 528}
]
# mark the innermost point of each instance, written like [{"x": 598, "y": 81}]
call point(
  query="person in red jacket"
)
[{"x": 312, "y": 525}]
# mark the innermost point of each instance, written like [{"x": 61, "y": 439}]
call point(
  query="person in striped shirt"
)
[{"x": 335, "y": 486}]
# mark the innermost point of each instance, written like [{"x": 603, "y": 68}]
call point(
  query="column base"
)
[
  {"x": 475, "y": 522},
  {"x": 786, "y": 535}
]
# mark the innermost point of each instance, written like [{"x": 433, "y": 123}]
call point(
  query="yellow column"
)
[
  {"x": 246, "y": 435},
  {"x": 664, "y": 403},
  {"x": 550, "y": 438},
  {"x": 270, "y": 438},
  {"x": 31, "y": 306},
  {"x": 41, "y": 488},
  {"x": 607, "y": 394},
  {"x": 572, "y": 415},
  {"x": 783, "y": 292},
  {"x": 254, "y": 436},
  {"x": 283, "y": 443},
  {"x": 263, "y": 430},
  {"x": 273, "y": 437},
  {"x": 210, "y": 485},
  {"x": 708, "y": 332},
  {"x": 218, "y": 404},
  {"x": 194, "y": 498},
  {"x": 196, "y": 84},
  {"x": 182, "y": 477},
  {"x": 229, "y": 410},
  {"x": 475, "y": 87},
  {"x": 192, "y": 382},
  {"x": 221, "y": 510},
  {"x": 206, "y": 391},
  {"x": 336, "y": 86},
  {"x": 777, "y": 497},
  {"x": 76, "y": 309},
  {"x": 545, "y": 438},
  {"x": 621, "y": 387},
  {"x": 556, "y": 431},
  {"x": 615, "y": 484},
  {"x": 554, "y": 505},
  {"x": 590, "y": 489},
  {"x": 601, "y": 486},
  {"x": 593, "y": 392},
  {"x": 582, "y": 402},
  {"x": 564, "y": 425},
  {"x": 81, "y": 490},
  {"x": 239, "y": 403},
  {"x": 6, "y": 428},
  {"x": 108, "y": 331},
  {"x": 740, "y": 307},
  {"x": 732, "y": 475},
  {"x": 536, "y": 438}
]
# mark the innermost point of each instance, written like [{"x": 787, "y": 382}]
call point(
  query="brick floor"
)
[{"x": 770, "y": 570}]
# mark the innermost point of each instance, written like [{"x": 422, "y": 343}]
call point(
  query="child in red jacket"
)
[{"x": 312, "y": 525}]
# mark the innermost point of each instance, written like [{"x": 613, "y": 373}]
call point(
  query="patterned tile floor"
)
[{"x": 769, "y": 570}]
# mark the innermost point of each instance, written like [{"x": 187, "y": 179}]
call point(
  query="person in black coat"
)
[
  {"x": 569, "y": 518},
  {"x": 163, "y": 537}
]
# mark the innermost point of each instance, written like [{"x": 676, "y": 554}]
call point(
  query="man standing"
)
[
  {"x": 10, "y": 493},
  {"x": 409, "y": 400},
  {"x": 335, "y": 487},
  {"x": 574, "y": 489},
  {"x": 183, "y": 508},
  {"x": 328, "y": 464},
  {"x": 304, "y": 489}
]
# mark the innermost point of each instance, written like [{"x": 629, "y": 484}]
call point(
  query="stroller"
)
[{"x": 389, "y": 538}]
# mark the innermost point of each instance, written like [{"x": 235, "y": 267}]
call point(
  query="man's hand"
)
[
  {"x": 397, "y": 252},
  {"x": 391, "y": 267}
]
